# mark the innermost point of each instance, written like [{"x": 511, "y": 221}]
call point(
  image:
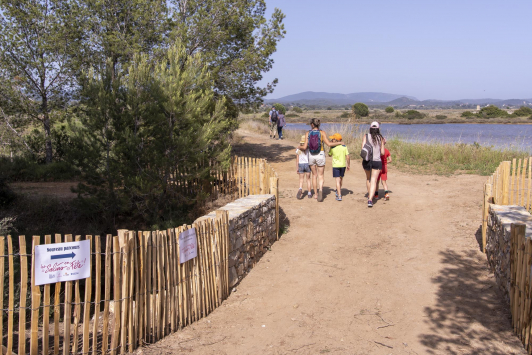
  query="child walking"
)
[
  {"x": 303, "y": 169},
  {"x": 386, "y": 158},
  {"x": 340, "y": 162}
]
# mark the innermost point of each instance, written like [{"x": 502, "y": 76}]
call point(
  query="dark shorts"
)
[
  {"x": 372, "y": 165},
  {"x": 303, "y": 168},
  {"x": 338, "y": 172}
]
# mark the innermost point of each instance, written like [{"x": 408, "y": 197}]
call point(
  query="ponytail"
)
[{"x": 315, "y": 122}]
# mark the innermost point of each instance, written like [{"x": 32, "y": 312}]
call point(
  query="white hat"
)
[{"x": 375, "y": 124}]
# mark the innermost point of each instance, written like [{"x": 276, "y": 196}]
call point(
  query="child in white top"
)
[{"x": 303, "y": 169}]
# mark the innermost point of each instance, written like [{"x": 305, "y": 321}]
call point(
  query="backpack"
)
[
  {"x": 314, "y": 142},
  {"x": 367, "y": 150},
  {"x": 274, "y": 116},
  {"x": 281, "y": 121}
]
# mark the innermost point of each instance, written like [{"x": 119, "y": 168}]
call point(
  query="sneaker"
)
[
  {"x": 336, "y": 192},
  {"x": 386, "y": 196},
  {"x": 320, "y": 196},
  {"x": 338, "y": 198},
  {"x": 376, "y": 194},
  {"x": 299, "y": 194},
  {"x": 270, "y": 136},
  {"x": 370, "y": 203},
  {"x": 309, "y": 195}
]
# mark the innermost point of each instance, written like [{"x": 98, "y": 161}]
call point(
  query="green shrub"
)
[
  {"x": 23, "y": 169},
  {"x": 467, "y": 114},
  {"x": 317, "y": 112},
  {"x": 291, "y": 115},
  {"x": 492, "y": 111},
  {"x": 523, "y": 111},
  {"x": 265, "y": 115},
  {"x": 345, "y": 115},
  {"x": 398, "y": 114},
  {"x": 389, "y": 109},
  {"x": 280, "y": 108},
  {"x": 329, "y": 108},
  {"x": 360, "y": 110},
  {"x": 297, "y": 109},
  {"x": 441, "y": 117},
  {"x": 6, "y": 194},
  {"x": 413, "y": 114}
]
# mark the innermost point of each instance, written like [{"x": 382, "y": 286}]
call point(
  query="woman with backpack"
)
[
  {"x": 373, "y": 165},
  {"x": 314, "y": 141}
]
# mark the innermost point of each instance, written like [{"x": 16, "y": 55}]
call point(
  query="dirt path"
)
[{"x": 405, "y": 277}]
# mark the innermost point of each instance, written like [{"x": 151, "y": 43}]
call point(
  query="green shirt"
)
[{"x": 339, "y": 154}]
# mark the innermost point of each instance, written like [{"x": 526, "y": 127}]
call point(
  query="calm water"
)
[{"x": 497, "y": 135}]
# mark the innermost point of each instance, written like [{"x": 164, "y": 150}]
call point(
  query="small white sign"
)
[
  {"x": 188, "y": 245},
  {"x": 62, "y": 262}
]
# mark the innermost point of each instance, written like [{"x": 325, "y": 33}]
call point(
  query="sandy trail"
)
[{"x": 405, "y": 277}]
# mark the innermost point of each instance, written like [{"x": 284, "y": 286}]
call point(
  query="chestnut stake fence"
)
[
  {"x": 510, "y": 184},
  {"x": 138, "y": 292}
]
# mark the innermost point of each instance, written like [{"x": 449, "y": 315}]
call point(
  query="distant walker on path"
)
[{"x": 274, "y": 116}]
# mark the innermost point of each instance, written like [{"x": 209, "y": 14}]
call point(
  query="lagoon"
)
[{"x": 501, "y": 136}]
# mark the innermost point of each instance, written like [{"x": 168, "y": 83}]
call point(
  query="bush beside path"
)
[{"x": 405, "y": 277}]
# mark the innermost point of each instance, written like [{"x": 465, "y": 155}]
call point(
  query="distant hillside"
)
[
  {"x": 380, "y": 99},
  {"x": 339, "y": 99}
]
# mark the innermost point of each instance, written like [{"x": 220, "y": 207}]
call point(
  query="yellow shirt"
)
[{"x": 339, "y": 155}]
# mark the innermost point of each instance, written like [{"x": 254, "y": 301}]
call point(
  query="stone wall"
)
[
  {"x": 252, "y": 229},
  {"x": 500, "y": 219}
]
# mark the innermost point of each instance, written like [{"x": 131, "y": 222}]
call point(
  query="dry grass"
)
[
  {"x": 331, "y": 116},
  {"x": 425, "y": 158}
]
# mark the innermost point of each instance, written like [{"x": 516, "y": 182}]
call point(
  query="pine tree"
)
[{"x": 153, "y": 120}]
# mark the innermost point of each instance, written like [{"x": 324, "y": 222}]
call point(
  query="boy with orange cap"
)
[{"x": 340, "y": 162}]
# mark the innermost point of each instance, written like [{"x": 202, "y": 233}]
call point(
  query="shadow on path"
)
[{"x": 470, "y": 316}]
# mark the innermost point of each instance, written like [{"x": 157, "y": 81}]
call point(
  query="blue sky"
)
[{"x": 428, "y": 49}]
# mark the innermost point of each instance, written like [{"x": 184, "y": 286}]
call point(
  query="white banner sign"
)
[
  {"x": 62, "y": 262},
  {"x": 188, "y": 245}
]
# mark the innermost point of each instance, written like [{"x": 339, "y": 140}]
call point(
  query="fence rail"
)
[
  {"x": 510, "y": 184},
  {"x": 138, "y": 292}
]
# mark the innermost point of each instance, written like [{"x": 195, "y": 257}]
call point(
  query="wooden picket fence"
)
[
  {"x": 520, "y": 288},
  {"x": 244, "y": 176},
  {"x": 510, "y": 184},
  {"x": 138, "y": 292}
]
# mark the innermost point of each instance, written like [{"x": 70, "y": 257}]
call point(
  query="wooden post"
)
[
  {"x": 68, "y": 309},
  {"x": 2, "y": 263},
  {"x": 506, "y": 183},
  {"x": 57, "y": 307},
  {"x": 512, "y": 272},
  {"x": 77, "y": 310},
  {"x": 528, "y": 199},
  {"x": 512, "y": 183},
  {"x": 87, "y": 305},
  {"x": 107, "y": 292},
  {"x": 274, "y": 190},
  {"x": 35, "y": 302},
  {"x": 487, "y": 196},
  {"x": 11, "y": 301},
  {"x": 262, "y": 173},
  {"x": 97, "y": 292},
  {"x": 522, "y": 188},
  {"x": 23, "y": 291}
]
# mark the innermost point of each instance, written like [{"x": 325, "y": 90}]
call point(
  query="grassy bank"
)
[
  {"x": 345, "y": 116},
  {"x": 425, "y": 158}
]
